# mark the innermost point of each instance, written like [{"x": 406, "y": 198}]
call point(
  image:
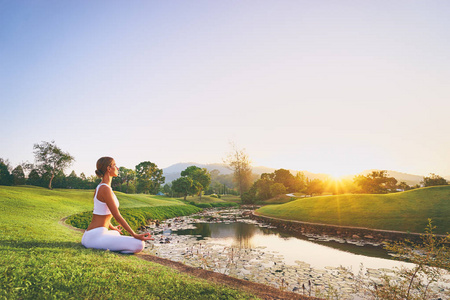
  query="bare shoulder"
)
[{"x": 104, "y": 192}]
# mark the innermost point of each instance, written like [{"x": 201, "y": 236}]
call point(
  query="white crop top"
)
[{"x": 100, "y": 208}]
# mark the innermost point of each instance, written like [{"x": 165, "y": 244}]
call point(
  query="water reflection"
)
[
  {"x": 243, "y": 235},
  {"x": 240, "y": 234},
  {"x": 317, "y": 253}
]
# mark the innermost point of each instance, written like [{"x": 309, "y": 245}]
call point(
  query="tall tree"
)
[
  {"x": 126, "y": 176},
  {"x": 149, "y": 177},
  {"x": 239, "y": 162},
  {"x": 183, "y": 186},
  {"x": 5, "y": 176},
  {"x": 34, "y": 178},
  {"x": 200, "y": 178},
  {"x": 51, "y": 159},
  {"x": 314, "y": 187},
  {"x": 18, "y": 175}
]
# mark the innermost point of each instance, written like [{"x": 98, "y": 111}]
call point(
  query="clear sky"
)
[{"x": 325, "y": 86}]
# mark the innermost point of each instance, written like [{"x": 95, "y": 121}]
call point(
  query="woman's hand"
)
[
  {"x": 117, "y": 228},
  {"x": 143, "y": 236}
]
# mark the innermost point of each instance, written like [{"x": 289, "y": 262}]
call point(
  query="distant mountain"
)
[{"x": 173, "y": 172}]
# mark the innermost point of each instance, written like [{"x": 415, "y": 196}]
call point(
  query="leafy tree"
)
[
  {"x": 183, "y": 186},
  {"x": 167, "y": 189},
  {"x": 18, "y": 175},
  {"x": 149, "y": 177},
  {"x": 315, "y": 187},
  {"x": 73, "y": 181},
  {"x": 403, "y": 186},
  {"x": 200, "y": 178},
  {"x": 376, "y": 182},
  {"x": 277, "y": 189},
  {"x": 34, "y": 178},
  {"x": 239, "y": 162},
  {"x": 126, "y": 176},
  {"x": 51, "y": 159},
  {"x": 286, "y": 178},
  {"x": 299, "y": 182},
  {"x": 5, "y": 176},
  {"x": 263, "y": 185},
  {"x": 434, "y": 180}
]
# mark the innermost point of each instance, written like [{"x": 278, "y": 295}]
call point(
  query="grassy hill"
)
[
  {"x": 42, "y": 259},
  {"x": 405, "y": 211}
]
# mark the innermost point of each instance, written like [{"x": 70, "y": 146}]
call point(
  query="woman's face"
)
[{"x": 113, "y": 169}]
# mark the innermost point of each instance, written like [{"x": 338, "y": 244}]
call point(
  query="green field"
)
[
  {"x": 42, "y": 259},
  {"x": 404, "y": 211}
]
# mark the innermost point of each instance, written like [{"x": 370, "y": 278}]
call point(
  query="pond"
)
[{"x": 226, "y": 242}]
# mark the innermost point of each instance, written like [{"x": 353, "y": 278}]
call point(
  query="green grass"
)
[
  {"x": 42, "y": 259},
  {"x": 405, "y": 211}
]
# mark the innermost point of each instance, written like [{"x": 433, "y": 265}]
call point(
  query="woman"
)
[{"x": 106, "y": 206}]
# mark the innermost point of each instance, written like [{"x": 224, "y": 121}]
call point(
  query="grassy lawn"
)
[
  {"x": 42, "y": 259},
  {"x": 405, "y": 211}
]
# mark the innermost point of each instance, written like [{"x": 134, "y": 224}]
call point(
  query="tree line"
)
[
  {"x": 146, "y": 177},
  {"x": 51, "y": 162},
  {"x": 281, "y": 182}
]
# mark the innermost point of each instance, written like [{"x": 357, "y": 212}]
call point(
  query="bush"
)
[{"x": 137, "y": 217}]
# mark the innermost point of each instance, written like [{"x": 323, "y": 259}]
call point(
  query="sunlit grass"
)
[
  {"x": 42, "y": 259},
  {"x": 405, "y": 211}
]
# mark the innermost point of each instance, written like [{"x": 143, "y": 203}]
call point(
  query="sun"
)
[{"x": 337, "y": 175}]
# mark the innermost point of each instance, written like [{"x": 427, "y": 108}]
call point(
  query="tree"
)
[
  {"x": 149, "y": 177},
  {"x": 200, "y": 178},
  {"x": 403, "y": 186},
  {"x": 239, "y": 162},
  {"x": 376, "y": 182},
  {"x": 34, "y": 178},
  {"x": 51, "y": 159},
  {"x": 5, "y": 176},
  {"x": 18, "y": 175},
  {"x": 183, "y": 186},
  {"x": 299, "y": 182},
  {"x": 434, "y": 180},
  {"x": 126, "y": 176},
  {"x": 73, "y": 181},
  {"x": 286, "y": 178},
  {"x": 167, "y": 189},
  {"x": 315, "y": 187},
  {"x": 277, "y": 189}
]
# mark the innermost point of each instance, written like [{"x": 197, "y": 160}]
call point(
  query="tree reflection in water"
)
[{"x": 244, "y": 234}]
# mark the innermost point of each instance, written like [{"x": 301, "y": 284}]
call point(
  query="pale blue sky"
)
[{"x": 325, "y": 86}]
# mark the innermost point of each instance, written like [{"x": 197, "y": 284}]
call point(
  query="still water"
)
[
  {"x": 227, "y": 243},
  {"x": 319, "y": 254}
]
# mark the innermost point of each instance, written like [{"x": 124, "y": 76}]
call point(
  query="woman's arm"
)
[{"x": 106, "y": 194}]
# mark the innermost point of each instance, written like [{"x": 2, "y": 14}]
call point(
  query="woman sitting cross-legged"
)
[{"x": 106, "y": 206}]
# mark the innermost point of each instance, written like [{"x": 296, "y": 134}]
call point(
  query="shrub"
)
[{"x": 137, "y": 217}]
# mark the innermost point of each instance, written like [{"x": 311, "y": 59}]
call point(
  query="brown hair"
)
[{"x": 102, "y": 165}]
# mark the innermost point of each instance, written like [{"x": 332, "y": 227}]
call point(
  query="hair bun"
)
[{"x": 99, "y": 173}]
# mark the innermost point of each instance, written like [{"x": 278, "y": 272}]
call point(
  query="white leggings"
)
[{"x": 102, "y": 238}]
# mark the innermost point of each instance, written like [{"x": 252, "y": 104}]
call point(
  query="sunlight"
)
[{"x": 337, "y": 176}]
